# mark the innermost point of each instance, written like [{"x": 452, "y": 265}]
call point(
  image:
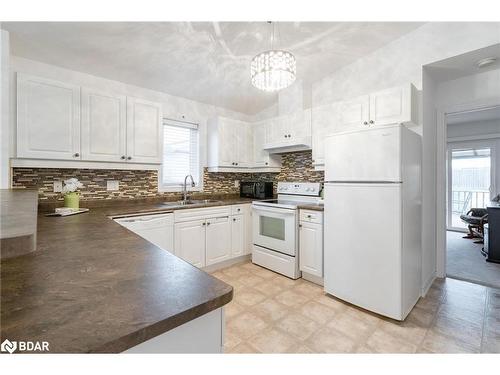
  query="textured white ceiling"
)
[{"x": 203, "y": 61}]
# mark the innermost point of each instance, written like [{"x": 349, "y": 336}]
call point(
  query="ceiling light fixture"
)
[
  {"x": 486, "y": 62},
  {"x": 273, "y": 70}
]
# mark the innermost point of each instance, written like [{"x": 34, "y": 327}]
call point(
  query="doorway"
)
[
  {"x": 472, "y": 139},
  {"x": 471, "y": 179}
]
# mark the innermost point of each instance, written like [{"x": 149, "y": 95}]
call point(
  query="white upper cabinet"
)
[
  {"x": 144, "y": 121},
  {"x": 230, "y": 145},
  {"x": 48, "y": 119},
  {"x": 55, "y": 122},
  {"x": 262, "y": 158},
  {"x": 290, "y": 132},
  {"x": 324, "y": 123},
  {"x": 353, "y": 113},
  {"x": 398, "y": 105},
  {"x": 394, "y": 106},
  {"x": 104, "y": 126}
]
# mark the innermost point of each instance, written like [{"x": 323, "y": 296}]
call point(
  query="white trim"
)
[
  {"x": 73, "y": 164},
  {"x": 441, "y": 145},
  {"x": 473, "y": 137},
  {"x": 427, "y": 285}
]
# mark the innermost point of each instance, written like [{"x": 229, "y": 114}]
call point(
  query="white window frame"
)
[{"x": 163, "y": 188}]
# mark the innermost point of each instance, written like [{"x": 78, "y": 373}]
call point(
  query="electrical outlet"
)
[
  {"x": 237, "y": 183},
  {"x": 57, "y": 186},
  {"x": 112, "y": 185}
]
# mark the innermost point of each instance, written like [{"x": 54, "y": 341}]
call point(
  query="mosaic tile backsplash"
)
[{"x": 296, "y": 166}]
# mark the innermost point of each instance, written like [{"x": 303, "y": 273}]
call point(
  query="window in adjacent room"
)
[{"x": 181, "y": 154}]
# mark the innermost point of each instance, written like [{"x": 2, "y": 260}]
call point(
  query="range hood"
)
[{"x": 292, "y": 145}]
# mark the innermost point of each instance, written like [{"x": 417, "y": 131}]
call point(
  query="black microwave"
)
[{"x": 256, "y": 189}]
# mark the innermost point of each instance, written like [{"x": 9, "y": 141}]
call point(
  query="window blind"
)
[{"x": 180, "y": 152}]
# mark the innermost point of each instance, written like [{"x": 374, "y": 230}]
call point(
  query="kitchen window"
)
[{"x": 181, "y": 155}]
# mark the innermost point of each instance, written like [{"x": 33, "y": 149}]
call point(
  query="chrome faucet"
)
[{"x": 184, "y": 192}]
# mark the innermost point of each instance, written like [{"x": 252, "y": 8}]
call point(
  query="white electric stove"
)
[{"x": 275, "y": 227}]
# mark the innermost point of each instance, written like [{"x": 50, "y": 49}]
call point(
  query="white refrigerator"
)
[{"x": 372, "y": 248}]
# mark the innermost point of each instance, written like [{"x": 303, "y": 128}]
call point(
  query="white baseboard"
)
[{"x": 427, "y": 285}]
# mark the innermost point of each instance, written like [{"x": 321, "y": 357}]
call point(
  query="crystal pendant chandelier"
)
[{"x": 273, "y": 70}]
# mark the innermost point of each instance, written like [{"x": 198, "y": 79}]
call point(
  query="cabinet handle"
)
[
  {"x": 372, "y": 122},
  {"x": 203, "y": 224},
  {"x": 129, "y": 158},
  {"x": 289, "y": 135},
  {"x": 285, "y": 136},
  {"x": 234, "y": 219},
  {"x": 236, "y": 163},
  {"x": 76, "y": 155},
  {"x": 300, "y": 225},
  {"x": 123, "y": 157},
  {"x": 267, "y": 163},
  {"x": 208, "y": 223},
  {"x": 365, "y": 123},
  {"x": 309, "y": 216}
]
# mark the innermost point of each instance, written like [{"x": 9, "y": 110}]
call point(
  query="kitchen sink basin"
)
[{"x": 190, "y": 202}]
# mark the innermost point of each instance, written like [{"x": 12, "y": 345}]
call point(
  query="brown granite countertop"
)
[
  {"x": 94, "y": 286},
  {"x": 314, "y": 207}
]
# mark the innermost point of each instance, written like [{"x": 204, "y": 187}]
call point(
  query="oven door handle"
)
[{"x": 282, "y": 211}]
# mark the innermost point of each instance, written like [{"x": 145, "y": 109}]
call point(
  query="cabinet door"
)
[
  {"x": 276, "y": 130},
  {"x": 237, "y": 236},
  {"x": 226, "y": 143},
  {"x": 324, "y": 120},
  {"x": 261, "y": 157},
  {"x": 218, "y": 242},
  {"x": 391, "y": 106},
  {"x": 311, "y": 248},
  {"x": 354, "y": 113},
  {"x": 299, "y": 125},
  {"x": 189, "y": 239},
  {"x": 48, "y": 119},
  {"x": 144, "y": 135},
  {"x": 104, "y": 126},
  {"x": 242, "y": 145}
]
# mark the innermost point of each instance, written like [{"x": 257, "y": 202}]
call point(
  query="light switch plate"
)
[
  {"x": 57, "y": 186},
  {"x": 112, "y": 185},
  {"x": 237, "y": 183}
]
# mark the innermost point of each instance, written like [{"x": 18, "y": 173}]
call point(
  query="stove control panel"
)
[{"x": 299, "y": 188}]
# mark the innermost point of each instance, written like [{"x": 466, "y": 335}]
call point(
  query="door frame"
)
[
  {"x": 466, "y": 144},
  {"x": 441, "y": 149}
]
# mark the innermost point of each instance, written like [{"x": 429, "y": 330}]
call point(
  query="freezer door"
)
[
  {"x": 364, "y": 155},
  {"x": 362, "y": 259}
]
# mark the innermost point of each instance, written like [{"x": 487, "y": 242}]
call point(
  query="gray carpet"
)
[{"x": 465, "y": 261}]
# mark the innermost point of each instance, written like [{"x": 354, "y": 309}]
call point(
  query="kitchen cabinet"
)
[
  {"x": 230, "y": 144},
  {"x": 48, "y": 119},
  {"x": 324, "y": 123},
  {"x": 144, "y": 131},
  {"x": 189, "y": 241},
  {"x": 397, "y": 105},
  {"x": 262, "y": 158},
  {"x": 311, "y": 243},
  {"x": 104, "y": 126},
  {"x": 289, "y": 133},
  {"x": 61, "y": 121},
  {"x": 238, "y": 234},
  {"x": 218, "y": 240}
]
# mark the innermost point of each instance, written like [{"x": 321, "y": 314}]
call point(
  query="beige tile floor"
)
[{"x": 273, "y": 314}]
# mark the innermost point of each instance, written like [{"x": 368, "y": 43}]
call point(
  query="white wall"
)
[
  {"x": 173, "y": 107},
  {"x": 4, "y": 110}
]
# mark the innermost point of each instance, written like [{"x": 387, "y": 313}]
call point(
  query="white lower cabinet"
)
[
  {"x": 311, "y": 243},
  {"x": 189, "y": 238},
  {"x": 218, "y": 240},
  {"x": 237, "y": 235},
  {"x": 207, "y": 236}
]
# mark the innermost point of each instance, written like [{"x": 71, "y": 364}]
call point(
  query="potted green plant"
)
[{"x": 71, "y": 193}]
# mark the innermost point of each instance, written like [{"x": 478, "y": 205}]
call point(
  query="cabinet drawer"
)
[
  {"x": 201, "y": 213},
  {"x": 239, "y": 209},
  {"x": 311, "y": 216}
]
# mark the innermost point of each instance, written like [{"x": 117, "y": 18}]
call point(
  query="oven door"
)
[{"x": 275, "y": 229}]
